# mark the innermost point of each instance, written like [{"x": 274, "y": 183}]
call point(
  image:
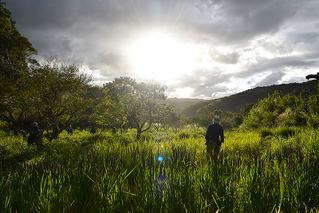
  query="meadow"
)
[{"x": 267, "y": 170}]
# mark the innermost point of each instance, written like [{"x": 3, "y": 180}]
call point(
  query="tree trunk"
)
[
  {"x": 16, "y": 128},
  {"x": 139, "y": 132},
  {"x": 55, "y": 133}
]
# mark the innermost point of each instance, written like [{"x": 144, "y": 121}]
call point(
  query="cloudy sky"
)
[{"x": 197, "y": 48}]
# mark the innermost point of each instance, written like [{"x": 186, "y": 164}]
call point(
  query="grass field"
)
[{"x": 269, "y": 170}]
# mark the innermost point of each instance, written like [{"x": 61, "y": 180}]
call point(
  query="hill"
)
[
  {"x": 245, "y": 99},
  {"x": 181, "y": 103}
]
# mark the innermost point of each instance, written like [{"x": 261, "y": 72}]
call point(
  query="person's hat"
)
[
  {"x": 34, "y": 124},
  {"x": 216, "y": 119}
]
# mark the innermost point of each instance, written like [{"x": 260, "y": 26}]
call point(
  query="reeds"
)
[{"x": 85, "y": 173}]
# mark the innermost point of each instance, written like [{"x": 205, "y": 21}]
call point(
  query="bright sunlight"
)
[{"x": 161, "y": 57}]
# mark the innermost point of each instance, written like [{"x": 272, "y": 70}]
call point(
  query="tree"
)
[
  {"x": 15, "y": 102},
  {"x": 110, "y": 112},
  {"x": 164, "y": 117},
  {"x": 175, "y": 121},
  {"x": 58, "y": 94},
  {"x": 15, "y": 50},
  {"x": 133, "y": 103},
  {"x": 95, "y": 93},
  {"x": 15, "y": 56}
]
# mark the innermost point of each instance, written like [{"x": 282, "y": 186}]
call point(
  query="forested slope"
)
[{"x": 239, "y": 101}]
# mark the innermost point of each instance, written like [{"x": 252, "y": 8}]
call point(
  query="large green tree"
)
[
  {"x": 15, "y": 50},
  {"x": 16, "y": 103},
  {"x": 59, "y": 94},
  {"x": 131, "y": 103},
  {"x": 47, "y": 93},
  {"x": 15, "y": 56},
  {"x": 165, "y": 117}
]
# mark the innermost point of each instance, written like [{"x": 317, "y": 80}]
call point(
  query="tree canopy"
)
[
  {"x": 131, "y": 103},
  {"x": 15, "y": 50}
]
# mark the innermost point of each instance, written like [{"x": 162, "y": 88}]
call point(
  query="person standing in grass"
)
[
  {"x": 214, "y": 138},
  {"x": 7, "y": 129},
  {"x": 33, "y": 134},
  {"x": 70, "y": 130},
  {"x": 93, "y": 130}
]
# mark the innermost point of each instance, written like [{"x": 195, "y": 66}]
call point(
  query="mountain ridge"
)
[{"x": 243, "y": 100}]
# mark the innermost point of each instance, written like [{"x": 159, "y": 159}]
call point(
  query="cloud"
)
[
  {"x": 246, "y": 43},
  {"x": 243, "y": 20},
  {"x": 114, "y": 59},
  {"x": 276, "y": 64},
  {"x": 271, "y": 79},
  {"x": 227, "y": 58}
]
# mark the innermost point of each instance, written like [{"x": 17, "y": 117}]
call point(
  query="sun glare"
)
[{"x": 161, "y": 57}]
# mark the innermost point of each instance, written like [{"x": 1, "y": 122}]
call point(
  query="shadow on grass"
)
[{"x": 16, "y": 159}]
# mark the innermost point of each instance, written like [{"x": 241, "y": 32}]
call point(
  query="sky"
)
[{"x": 203, "y": 49}]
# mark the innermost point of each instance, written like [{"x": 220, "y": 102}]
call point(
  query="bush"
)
[
  {"x": 264, "y": 132},
  {"x": 285, "y": 132},
  {"x": 276, "y": 110}
]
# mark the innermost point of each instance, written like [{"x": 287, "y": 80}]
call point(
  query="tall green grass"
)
[{"x": 163, "y": 172}]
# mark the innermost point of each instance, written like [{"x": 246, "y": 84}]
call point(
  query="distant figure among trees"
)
[
  {"x": 114, "y": 130},
  {"x": 70, "y": 130},
  {"x": 33, "y": 134},
  {"x": 316, "y": 76},
  {"x": 93, "y": 130},
  {"x": 7, "y": 129}
]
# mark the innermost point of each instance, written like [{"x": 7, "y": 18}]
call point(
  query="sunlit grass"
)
[{"x": 163, "y": 172}]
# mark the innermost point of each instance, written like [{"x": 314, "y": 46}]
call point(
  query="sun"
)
[{"x": 161, "y": 57}]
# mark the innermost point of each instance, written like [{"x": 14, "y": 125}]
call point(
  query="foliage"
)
[
  {"x": 15, "y": 102},
  {"x": 243, "y": 101},
  {"x": 129, "y": 103},
  {"x": 58, "y": 92},
  {"x": 277, "y": 109},
  {"x": 15, "y": 56},
  {"x": 228, "y": 119},
  {"x": 15, "y": 50},
  {"x": 48, "y": 93}
]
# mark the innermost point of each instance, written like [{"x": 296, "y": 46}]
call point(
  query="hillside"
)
[
  {"x": 236, "y": 102},
  {"x": 181, "y": 103}
]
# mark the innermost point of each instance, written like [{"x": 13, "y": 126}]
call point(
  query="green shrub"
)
[
  {"x": 285, "y": 131},
  {"x": 313, "y": 121},
  {"x": 276, "y": 110},
  {"x": 264, "y": 132},
  {"x": 146, "y": 136},
  {"x": 184, "y": 135}
]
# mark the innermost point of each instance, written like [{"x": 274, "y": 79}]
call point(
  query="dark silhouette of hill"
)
[{"x": 245, "y": 100}]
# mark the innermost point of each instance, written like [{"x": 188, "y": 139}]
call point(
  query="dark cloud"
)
[
  {"x": 244, "y": 19},
  {"x": 112, "y": 59}
]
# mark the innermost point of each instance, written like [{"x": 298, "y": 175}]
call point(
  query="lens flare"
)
[
  {"x": 161, "y": 185},
  {"x": 160, "y": 158}
]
